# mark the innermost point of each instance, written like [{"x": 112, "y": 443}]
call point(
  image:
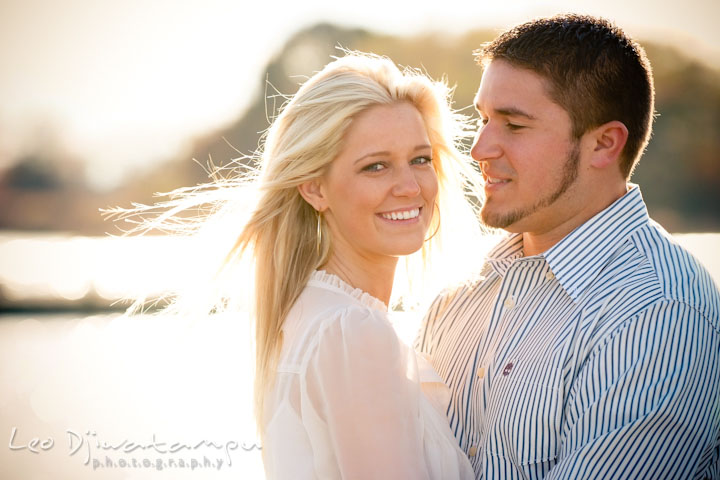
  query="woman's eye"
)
[
  {"x": 373, "y": 167},
  {"x": 421, "y": 161}
]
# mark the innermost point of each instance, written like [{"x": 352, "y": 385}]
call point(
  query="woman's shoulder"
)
[
  {"x": 346, "y": 319},
  {"x": 321, "y": 316},
  {"x": 357, "y": 323}
]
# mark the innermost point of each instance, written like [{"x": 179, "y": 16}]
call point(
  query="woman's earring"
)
[
  {"x": 437, "y": 228},
  {"x": 318, "y": 213}
]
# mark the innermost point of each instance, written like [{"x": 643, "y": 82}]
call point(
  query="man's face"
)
[{"x": 527, "y": 155}]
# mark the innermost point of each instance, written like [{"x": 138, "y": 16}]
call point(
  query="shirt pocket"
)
[{"x": 524, "y": 413}]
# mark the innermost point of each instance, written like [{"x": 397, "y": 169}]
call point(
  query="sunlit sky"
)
[{"x": 126, "y": 84}]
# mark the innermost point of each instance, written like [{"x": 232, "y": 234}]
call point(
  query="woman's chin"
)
[{"x": 402, "y": 249}]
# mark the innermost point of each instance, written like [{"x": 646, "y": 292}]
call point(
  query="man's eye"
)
[
  {"x": 514, "y": 127},
  {"x": 483, "y": 121}
]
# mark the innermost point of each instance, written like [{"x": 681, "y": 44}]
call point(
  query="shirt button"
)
[
  {"x": 549, "y": 275},
  {"x": 473, "y": 451},
  {"x": 480, "y": 372},
  {"x": 509, "y": 303}
]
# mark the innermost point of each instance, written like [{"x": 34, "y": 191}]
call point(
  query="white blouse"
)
[{"x": 348, "y": 399}]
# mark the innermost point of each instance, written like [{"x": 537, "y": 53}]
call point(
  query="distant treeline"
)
[{"x": 679, "y": 173}]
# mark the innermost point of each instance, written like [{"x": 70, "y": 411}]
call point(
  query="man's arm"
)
[{"x": 646, "y": 402}]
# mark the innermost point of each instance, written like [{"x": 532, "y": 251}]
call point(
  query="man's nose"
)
[{"x": 486, "y": 146}]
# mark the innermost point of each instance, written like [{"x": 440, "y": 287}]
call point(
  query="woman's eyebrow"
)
[{"x": 384, "y": 153}]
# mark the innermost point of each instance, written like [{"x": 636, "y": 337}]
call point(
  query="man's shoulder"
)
[
  {"x": 458, "y": 294},
  {"x": 449, "y": 309},
  {"x": 678, "y": 271},
  {"x": 679, "y": 275}
]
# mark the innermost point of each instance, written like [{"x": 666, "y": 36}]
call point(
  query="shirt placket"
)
[{"x": 504, "y": 324}]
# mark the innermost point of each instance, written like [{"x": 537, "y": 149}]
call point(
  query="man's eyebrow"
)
[
  {"x": 384, "y": 153},
  {"x": 509, "y": 112},
  {"x": 514, "y": 112}
]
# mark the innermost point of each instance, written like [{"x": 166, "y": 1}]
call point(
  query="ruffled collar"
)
[{"x": 329, "y": 281}]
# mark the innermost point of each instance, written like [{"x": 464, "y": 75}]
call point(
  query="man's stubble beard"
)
[{"x": 570, "y": 173}]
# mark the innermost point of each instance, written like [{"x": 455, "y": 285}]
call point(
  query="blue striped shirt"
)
[{"x": 599, "y": 358}]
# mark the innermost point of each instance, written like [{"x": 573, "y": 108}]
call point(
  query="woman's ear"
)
[
  {"x": 313, "y": 193},
  {"x": 610, "y": 139}
]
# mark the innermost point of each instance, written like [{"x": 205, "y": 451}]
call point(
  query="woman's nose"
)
[{"x": 406, "y": 183}]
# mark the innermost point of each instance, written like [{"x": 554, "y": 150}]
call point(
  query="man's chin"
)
[{"x": 504, "y": 220}]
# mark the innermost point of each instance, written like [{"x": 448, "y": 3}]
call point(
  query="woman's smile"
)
[{"x": 403, "y": 216}]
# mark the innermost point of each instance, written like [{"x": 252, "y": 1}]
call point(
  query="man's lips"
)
[{"x": 496, "y": 181}]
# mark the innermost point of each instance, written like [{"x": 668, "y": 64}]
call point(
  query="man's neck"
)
[{"x": 535, "y": 243}]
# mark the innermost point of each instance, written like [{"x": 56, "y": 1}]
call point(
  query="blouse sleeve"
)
[{"x": 361, "y": 382}]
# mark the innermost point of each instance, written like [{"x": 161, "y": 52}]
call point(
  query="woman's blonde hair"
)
[
  {"x": 280, "y": 233},
  {"x": 303, "y": 140}
]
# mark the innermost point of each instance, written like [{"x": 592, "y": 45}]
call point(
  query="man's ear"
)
[
  {"x": 313, "y": 193},
  {"x": 609, "y": 140}
]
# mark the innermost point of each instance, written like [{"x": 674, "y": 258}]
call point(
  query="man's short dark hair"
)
[{"x": 594, "y": 71}]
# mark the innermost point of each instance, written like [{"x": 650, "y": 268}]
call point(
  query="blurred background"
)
[{"x": 104, "y": 104}]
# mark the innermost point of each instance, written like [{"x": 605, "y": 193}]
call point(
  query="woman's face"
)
[{"x": 380, "y": 190}]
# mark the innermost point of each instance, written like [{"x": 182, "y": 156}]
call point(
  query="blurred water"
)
[
  {"x": 151, "y": 381},
  {"x": 44, "y": 270},
  {"x": 65, "y": 271},
  {"x": 89, "y": 387}
]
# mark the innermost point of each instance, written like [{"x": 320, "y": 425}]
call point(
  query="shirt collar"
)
[
  {"x": 580, "y": 256},
  {"x": 504, "y": 254}
]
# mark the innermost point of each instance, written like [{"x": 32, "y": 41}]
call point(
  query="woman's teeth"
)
[{"x": 401, "y": 215}]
